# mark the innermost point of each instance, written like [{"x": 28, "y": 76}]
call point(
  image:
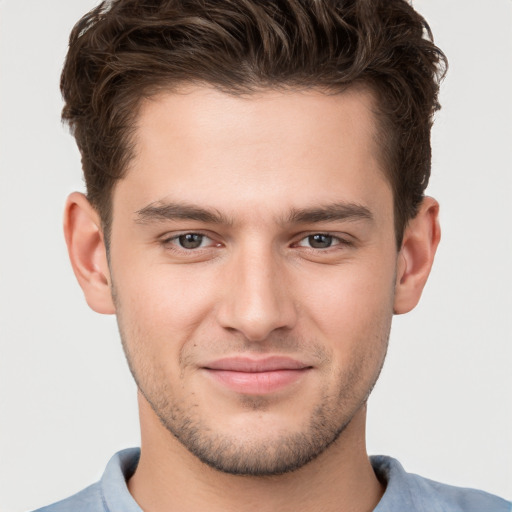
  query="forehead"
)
[
  {"x": 203, "y": 115},
  {"x": 268, "y": 149}
]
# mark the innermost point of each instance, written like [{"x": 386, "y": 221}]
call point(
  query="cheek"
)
[
  {"x": 348, "y": 296},
  {"x": 158, "y": 313},
  {"x": 352, "y": 310},
  {"x": 163, "y": 296}
]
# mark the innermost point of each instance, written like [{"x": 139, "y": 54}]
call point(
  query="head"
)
[
  {"x": 255, "y": 173},
  {"x": 125, "y": 51}
]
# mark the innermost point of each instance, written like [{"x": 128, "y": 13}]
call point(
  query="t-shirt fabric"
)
[{"x": 405, "y": 492}]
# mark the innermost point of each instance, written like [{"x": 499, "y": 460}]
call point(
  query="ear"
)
[
  {"x": 421, "y": 238},
  {"x": 86, "y": 249}
]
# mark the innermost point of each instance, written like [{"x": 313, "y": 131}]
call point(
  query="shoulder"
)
[
  {"x": 110, "y": 494},
  {"x": 87, "y": 500},
  {"x": 467, "y": 499},
  {"x": 458, "y": 498},
  {"x": 415, "y": 493}
]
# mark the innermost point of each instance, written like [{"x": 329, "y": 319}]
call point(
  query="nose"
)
[{"x": 257, "y": 300}]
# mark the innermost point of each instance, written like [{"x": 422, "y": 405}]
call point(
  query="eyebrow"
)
[
  {"x": 160, "y": 211},
  {"x": 330, "y": 213}
]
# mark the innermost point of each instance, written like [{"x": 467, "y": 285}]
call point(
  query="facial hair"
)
[{"x": 262, "y": 456}]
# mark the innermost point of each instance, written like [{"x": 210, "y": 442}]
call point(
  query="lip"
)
[
  {"x": 258, "y": 376},
  {"x": 255, "y": 365}
]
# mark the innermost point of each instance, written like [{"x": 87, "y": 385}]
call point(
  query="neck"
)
[{"x": 169, "y": 477}]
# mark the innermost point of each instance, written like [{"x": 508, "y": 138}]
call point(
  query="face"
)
[{"x": 253, "y": 265}]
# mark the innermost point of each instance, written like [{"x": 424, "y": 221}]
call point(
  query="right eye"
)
[
  {"x": 188, "y": 241},
  {"x": 319, "y": 241},
  {"x": 191, "y": 240}
]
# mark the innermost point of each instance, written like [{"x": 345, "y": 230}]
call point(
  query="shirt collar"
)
[{"x": 399, "y": 493}]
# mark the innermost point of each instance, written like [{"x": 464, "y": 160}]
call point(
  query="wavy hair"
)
[{"x": 126, "y": 50}]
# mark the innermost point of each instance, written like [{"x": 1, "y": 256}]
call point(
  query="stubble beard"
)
[
  {"x": 260, "y": 457},
  {"x": 265, "y": 457},
  {"x": 257, "y": 457}
]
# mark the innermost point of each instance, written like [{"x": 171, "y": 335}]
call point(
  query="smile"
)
[{"x": 257, "y": 376}]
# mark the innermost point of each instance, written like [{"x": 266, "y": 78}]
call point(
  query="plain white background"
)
[{"x": 442, "y": 406}]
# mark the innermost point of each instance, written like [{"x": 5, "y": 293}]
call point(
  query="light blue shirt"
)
[{"x": 405, "y": 492}]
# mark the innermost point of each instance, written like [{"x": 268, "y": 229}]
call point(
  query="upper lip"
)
[{"x": 253, "y": 365}]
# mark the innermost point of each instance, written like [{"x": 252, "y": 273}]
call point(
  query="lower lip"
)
[{"x": 257, "y": 383}]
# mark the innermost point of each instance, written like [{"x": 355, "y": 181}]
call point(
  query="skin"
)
[{"x": 267, "y": 172}]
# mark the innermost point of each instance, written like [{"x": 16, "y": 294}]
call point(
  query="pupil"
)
[
  {"x": 191, "y": 240},
  {"x": 320, "y": 241}
]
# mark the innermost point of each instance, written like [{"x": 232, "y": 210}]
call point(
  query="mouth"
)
[{"x": 257, "y": 376}]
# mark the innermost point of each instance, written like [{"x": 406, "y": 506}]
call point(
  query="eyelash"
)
[
  {"x": 171, "y": 243},
  {"x": 335, "y": 241}
]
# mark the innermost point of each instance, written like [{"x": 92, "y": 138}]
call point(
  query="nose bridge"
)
[{"x": 256, "y": 299}]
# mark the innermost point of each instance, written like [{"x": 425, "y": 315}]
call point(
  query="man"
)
[{"x": 255, "y": 215}]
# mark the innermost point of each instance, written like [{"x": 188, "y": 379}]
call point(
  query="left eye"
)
[
  {"x": 318, "y": 241},
  {"x": 191, "y": 240}
]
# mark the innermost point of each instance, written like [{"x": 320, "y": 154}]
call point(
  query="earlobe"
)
[
  {"x": 421, "y": 238},
  {"x": 86, "y": 249}
]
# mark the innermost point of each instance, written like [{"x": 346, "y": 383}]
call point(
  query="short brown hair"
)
[{"x": 125, "y": 50}]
